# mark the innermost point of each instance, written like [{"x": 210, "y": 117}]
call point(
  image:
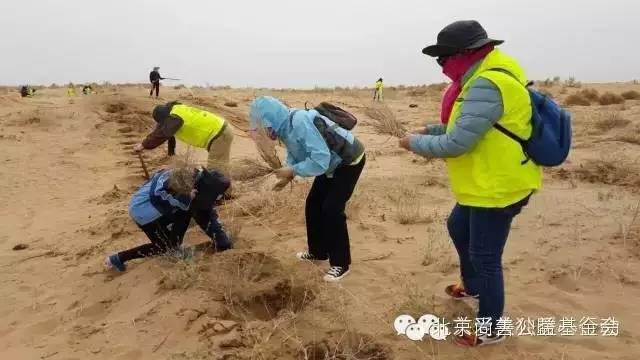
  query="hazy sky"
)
[{"x": 303, "y": 43}]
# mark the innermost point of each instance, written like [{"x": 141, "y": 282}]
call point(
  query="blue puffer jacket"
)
[
  {"x": 154, "y": 200},
  {"x": 307, "y": 151},
  {"x": 482, "y": 108}
]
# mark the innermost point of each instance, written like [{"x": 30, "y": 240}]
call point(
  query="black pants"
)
[
  {"x": 155, "y": 86},
  {"x": 171, "y": 146},
  {"x": 167, "y": 233},
  {"x": 327, "y": 233}
]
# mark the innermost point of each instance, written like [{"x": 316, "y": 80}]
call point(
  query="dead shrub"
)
[
  {"x": 631, "y": 95},
  {"x": 610, "y": 98},
  {"x": 576, "y": 100},
  {"x": 409, "y": 207},
  {"x": 249, "y": 169},
  {"x": 608, "y": 172},
  {"x": 385, "y": 121},
  {"x": 590, "y": 94},
  {"x": 611, "y": 121},
  {"x": 346, "y": 345},
  {"x": 181, "y": 274},
  {"x": 116, "y": 108},
  {"x": 267, "y": 149}
]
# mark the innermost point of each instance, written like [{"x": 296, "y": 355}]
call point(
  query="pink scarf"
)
[{"x": 455, "y": 68}]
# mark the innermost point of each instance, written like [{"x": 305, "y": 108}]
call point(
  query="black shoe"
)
[
  {"x": 336, "y": 273},
  {"x": 307, "y": 256}
]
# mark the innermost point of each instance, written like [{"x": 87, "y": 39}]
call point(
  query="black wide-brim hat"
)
[{"x": 458, "y": 36}]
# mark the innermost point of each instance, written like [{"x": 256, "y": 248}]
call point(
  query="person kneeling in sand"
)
[
  {"x": 195, "y": 127},
  {"x": 163, "y": 207}
]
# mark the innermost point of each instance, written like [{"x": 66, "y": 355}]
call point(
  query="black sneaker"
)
[
  {"x": 336, "y": 273},
  {"x": 306, "y": 256}
]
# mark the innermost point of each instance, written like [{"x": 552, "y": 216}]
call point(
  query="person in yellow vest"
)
[
  {"x": 489, "y": 174},
  {"x": 71, "y": 90},
  {"x": 377, "y": 94},
  {"x": 195, "y": 127}
]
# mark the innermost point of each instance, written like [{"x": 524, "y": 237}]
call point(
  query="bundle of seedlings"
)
[{"x": 385, "y": 121}]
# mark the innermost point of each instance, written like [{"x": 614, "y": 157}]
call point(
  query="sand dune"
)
[{"x": 68, "y": 171}]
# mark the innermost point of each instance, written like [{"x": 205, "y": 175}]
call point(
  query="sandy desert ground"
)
[{"x": 68, "y": 170}]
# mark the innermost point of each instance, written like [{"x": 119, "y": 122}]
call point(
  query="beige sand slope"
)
[{"x": 67, "y": 173}]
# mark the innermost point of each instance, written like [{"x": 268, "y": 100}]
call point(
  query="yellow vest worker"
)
[
  {"x": 377, "y": 94},
  {"x": 199, "y": 127},
  {"x": 194, "y": 127}
]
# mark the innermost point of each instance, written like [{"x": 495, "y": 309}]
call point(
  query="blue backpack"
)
[{"x": 550, "y": 139}]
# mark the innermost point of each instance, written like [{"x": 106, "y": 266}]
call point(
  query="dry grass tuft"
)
[
  {"x": 385, "y": 121},
  {"x": 347, "y": 345},
  {"x": 181, "y": 274},
  {"x": 116, "y": 108},
  {"x": 611, "y": 121},
  {"x": 631, "y": 95},
  {"x": 608, "y": 172},
  {"x": 590, "y": 94},
  {"x": 267, "y": 150},
  {"x": 264, "y": 204},
  {"x": 610, "y": 98},
  {"x": 438, "y": 253},
  {"x": 576, "y": 99},
  {"x": 409, "y": 207},
  {"x": 249, "y": 169}
]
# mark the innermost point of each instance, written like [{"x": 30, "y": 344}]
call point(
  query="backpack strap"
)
[{"x": 506, "y": 131}]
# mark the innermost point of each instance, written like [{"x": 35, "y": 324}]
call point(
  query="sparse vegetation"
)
[
  {"x": 611, "y": 121},
  {"x": 630, "y": 95},
  {"x": 610, "y": 98},
  {"x": 249, "y": 169},
  {"x": 409, "y": 208},
  {"x": 608, "y": 172},
  {"x": 590, "y": 94},
  {"x": 179, "y": 274},
  {"x": 576, "y": 100}
]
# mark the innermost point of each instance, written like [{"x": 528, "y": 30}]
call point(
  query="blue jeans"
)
[{"x": 479, "y": 235}]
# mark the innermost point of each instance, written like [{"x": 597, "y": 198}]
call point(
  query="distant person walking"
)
[
  {"x": 154, "y": 78},
  {"x": 195, "y": 127},
  {"x": 490, "y": 175},
  {"x": 377, "y": 94}
]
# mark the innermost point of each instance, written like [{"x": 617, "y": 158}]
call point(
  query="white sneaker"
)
[{"x": 336, "y": 273}]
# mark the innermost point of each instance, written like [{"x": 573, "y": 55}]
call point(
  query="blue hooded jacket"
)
[
  {"x": 141, "y": 208},
  {"x": 307, "y": 152}
]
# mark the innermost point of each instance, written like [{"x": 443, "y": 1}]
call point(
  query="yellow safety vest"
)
[
  {"x": 379, "y": 85},
  {"x": 492, "y": 174},
  {"x": 199, "y": 127}
]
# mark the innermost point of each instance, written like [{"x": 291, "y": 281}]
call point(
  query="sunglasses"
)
[{"x": 442, "y": 60}]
